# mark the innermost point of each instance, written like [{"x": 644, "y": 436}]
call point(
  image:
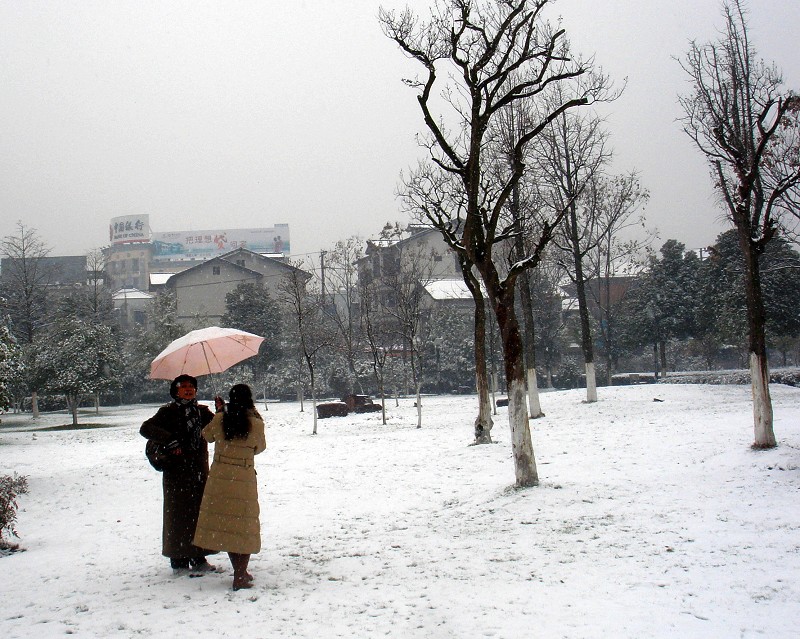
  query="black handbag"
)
[{"x": 157, "y": 455}]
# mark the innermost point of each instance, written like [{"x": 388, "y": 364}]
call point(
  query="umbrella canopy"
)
[{"x": 204, "y": 351}]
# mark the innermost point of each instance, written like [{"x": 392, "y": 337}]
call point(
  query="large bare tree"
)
[
  {"x": 746, "y": 124},
  {"x": 434, "y": 196},
  {"x": 483, "y": 56}
]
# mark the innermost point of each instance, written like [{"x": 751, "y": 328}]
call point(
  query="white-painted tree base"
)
[
  {"x": 591, "y": 383},
  {"x": 534, "y": 406},
  {"x": 762, "y": 404}
]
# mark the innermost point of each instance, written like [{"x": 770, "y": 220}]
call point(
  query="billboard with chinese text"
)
[
  {"x": 178, "y": 245},
  {"x": 129, "y": 228}
]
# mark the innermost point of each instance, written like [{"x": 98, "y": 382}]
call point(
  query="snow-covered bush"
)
[{"x": 10, "y": 488}]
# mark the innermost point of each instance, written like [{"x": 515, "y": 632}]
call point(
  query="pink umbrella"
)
[{"x": 204, "y": 351}]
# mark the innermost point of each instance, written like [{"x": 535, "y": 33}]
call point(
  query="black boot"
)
[{"x": 179, "y": 565}]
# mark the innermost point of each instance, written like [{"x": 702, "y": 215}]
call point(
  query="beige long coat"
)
[{"x": 229, "y": 514}]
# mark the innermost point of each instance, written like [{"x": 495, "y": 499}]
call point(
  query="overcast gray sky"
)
[{"x": 250, "y": 113}]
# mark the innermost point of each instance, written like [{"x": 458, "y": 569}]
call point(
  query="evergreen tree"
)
[
  {"x": 11, "y": 367},
  {"x": 80, "y": 358},
  {"x": 249, "y": 307}
]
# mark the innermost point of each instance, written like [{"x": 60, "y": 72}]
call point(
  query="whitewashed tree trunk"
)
[
  {"x": 483, "y": 422},
  {"x": 591, "y": 383},
  {"x": 97, "y": 403},
  {"x": 314, "y": 406},
  {"x": 521, "y": 444},
  {"x": 419, "y": 406},
  {"x": 762, "y": 403},
  {"x": 534, "y": 406},
  {"x": 35, "y": 404}
]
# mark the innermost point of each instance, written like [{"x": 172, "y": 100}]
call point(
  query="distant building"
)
[
  {"x": 132, "y": 307},
  {"x": 142, "y": 259},
  {"x": 54, "y": 272},
  {"x": 200, "y": 291}
]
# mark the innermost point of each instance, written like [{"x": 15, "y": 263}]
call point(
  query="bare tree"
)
[
  {"x": 310, "y": 323},
  {"x": 569, "y": 156},
  {"x": 617, "y": 204},
  {"x": 546, "y": 297},
  {"x": 342, "y": 282},
  {"x": 509, "y": 127},
  {"x": 492, "y": 54},
  {"x": 403, "y": 304},
  {"x": 433, "y": 196},
  {"x": 748, "y": 128},
  {"x": 377, "y": 333}
]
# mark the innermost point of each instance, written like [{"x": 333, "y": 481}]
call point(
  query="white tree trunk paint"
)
[
  {"x": 762, "y": 404},
  {"x": 419, "y": 407},
  {"x": 493, "y": 382},
  {"x": 522, "y": 447},
  {"x": 534, "y": 407},
  {"x": 591, "y": 383}
]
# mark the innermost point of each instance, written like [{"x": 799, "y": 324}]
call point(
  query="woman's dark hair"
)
[
  {"x": 173, "y": 387},
  {"x": 235, "y": 422}
]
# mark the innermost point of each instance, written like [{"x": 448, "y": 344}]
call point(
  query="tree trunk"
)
[
  {"x": 759, "y": 366},
  {"x": 483, "y": 422},
  {"x": 419, "y": 405},
  {"x": 72, "y": 405},
  {"x": 35, "y": 404},
  {"x": 521, "y": 444},
  {"x": 583, "y": 308},
  {"x": 534, "y": 406},
  {"x": 313, "y": 397},
  {"x": 591, "y": 383},
  {"x": 586, "y": 337}
]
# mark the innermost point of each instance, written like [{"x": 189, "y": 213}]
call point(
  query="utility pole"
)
[{"x": 322, "y": 271}]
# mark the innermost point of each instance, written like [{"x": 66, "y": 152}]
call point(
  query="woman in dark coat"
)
[{"x": 178, "y": 426}]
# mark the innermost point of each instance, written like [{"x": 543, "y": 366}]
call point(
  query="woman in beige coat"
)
[{"x": 229, "y": 513}]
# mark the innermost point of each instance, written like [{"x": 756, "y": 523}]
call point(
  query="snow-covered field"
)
[{"x": 653, "y": 519}]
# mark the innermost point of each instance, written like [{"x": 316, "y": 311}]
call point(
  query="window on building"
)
[
  {"x": 437, "y": 258},
  {"x": 135, "y": 265},
  {"x": 139, "y": 317},
  {"x": 240, "y": 262},
  {"x": 215, "y": 270}
]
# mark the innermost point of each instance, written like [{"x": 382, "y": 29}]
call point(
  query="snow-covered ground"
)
[{"x": 653, "y": 519}]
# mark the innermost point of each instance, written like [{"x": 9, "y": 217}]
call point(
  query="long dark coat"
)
[{"x": 184, "y": 478}]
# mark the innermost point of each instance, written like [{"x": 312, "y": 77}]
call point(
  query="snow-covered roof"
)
[
  {"x": 449, "y": 289},
  {"x": 159, "y": 279},
  {"x": 131, "y": 294}
]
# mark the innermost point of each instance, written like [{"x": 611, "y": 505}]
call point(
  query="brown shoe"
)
[{"x": 243, "y": 583}]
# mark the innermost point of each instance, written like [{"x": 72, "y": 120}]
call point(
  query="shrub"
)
[{"x": 10, "y": 488}]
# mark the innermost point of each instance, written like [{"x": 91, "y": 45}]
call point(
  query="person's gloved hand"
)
[{"x": 173, "y": 447}]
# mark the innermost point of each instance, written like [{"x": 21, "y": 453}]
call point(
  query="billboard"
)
[
  {"x": 176, "y": 245},
  {"x": 129, "y": 228}
]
